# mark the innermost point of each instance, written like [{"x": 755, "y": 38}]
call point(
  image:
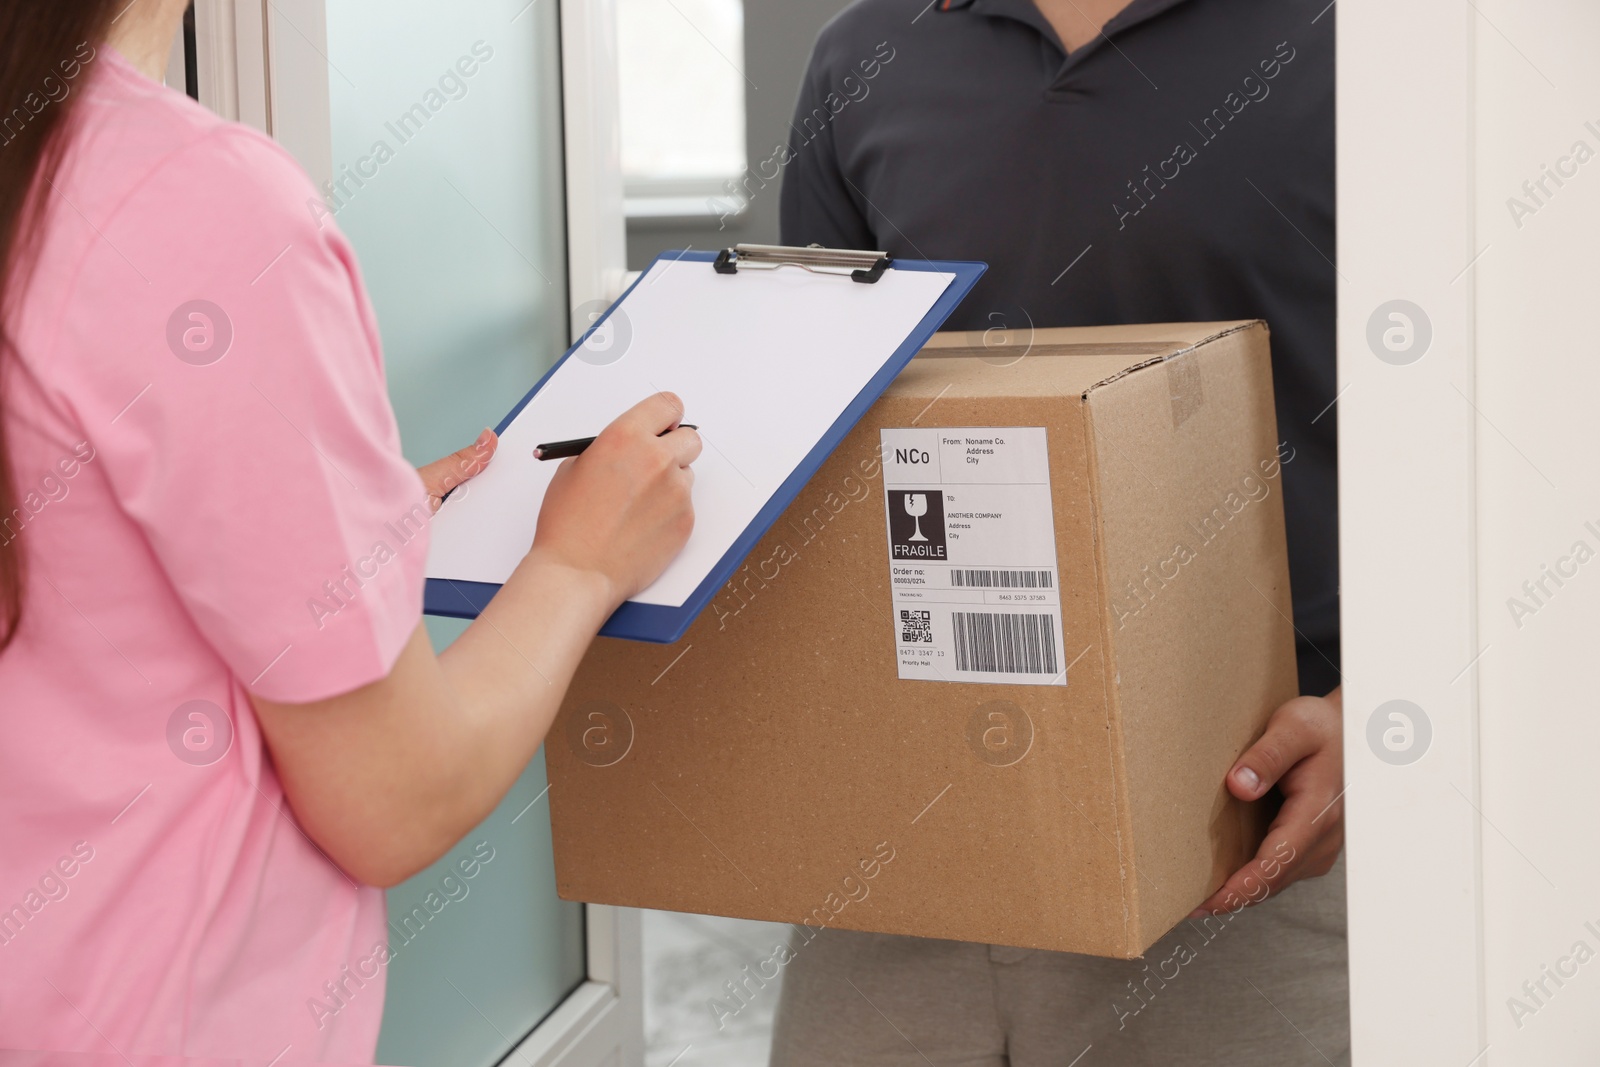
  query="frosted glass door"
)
[{"x": 447, "y": 177}]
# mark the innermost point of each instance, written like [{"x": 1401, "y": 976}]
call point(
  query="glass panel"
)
[
  {"x": 481, "y": 947},
  {"x": 681, "y": 68},
  {"x": 448, "y": 180}
]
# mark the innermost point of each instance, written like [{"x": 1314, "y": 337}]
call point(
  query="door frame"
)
[
  {"x": 264, "y": 63},
  {"x": 1408, "y": 472}
]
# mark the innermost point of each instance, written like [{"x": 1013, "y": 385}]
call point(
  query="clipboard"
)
[{"x": 861, "y": 271}]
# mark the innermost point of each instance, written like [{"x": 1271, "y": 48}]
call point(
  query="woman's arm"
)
[{"x": 387, "y": 778}]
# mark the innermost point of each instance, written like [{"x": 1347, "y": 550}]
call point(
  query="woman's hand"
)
[
  {"x": 1302, "y": 753},
  {"x": 443, "y": 475},
  {"x": 622, "y": 509}
]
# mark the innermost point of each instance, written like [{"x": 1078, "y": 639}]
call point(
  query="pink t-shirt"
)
[{"x": 214, "y": 503}]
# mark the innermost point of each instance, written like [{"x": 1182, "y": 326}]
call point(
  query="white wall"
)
[
  {"x": 1463, "y": 473},
  {"x": 1538, "y": 377}
]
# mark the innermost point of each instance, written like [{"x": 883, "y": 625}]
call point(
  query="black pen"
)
[{"x": 575, "y": 447}]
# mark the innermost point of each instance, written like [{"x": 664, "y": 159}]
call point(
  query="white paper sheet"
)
[{"x": 765, "y": 361}]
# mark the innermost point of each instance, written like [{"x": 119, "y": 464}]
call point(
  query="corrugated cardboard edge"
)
[
  {"x": 1133, "y": 932},
  {"x": 1114, "y": 739},
  {"x": 1248, "y": 324},
  {"x": 1150, "y": 905}
]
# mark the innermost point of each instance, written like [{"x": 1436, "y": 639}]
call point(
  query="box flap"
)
[{"x": 1065, "y": 361}]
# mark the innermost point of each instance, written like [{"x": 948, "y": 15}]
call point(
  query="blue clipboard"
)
[{"x": 661, "y": 624}]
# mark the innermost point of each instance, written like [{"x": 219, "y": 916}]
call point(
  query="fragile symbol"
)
[
  {"x": 917, "y": 542},
  {"x": 916, "y": 507}
]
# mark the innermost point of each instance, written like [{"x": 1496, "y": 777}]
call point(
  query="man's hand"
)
[
  {"x": 1302, "y": 753},
  {"x": 443, "y": 475}
]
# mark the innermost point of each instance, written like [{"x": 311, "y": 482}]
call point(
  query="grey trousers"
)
[{"x": 1268, "y": 985}]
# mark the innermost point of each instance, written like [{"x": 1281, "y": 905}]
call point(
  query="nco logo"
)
[{"x": 911, "y": 455}]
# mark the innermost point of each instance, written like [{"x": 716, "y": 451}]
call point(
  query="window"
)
[
  {"x": 682, "y": 84},
  {"x": 449, "y": 185}
]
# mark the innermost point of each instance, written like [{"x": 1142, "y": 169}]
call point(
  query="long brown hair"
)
[{"x": 44, "y": 46}]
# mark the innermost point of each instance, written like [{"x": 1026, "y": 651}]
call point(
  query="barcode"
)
[
  {"x": 1005, "y": 643},
  {"x": 1001, "y": 579},
  {"x": 916, "y": 626}
]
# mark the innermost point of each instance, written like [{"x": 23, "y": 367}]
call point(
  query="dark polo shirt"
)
[{"x": 1179, "y": 168}]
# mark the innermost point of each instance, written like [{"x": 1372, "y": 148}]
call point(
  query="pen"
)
[{"x": 574, "y": 447}]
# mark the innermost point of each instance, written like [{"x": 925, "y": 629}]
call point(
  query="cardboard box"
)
[{"x": 805, "y": 755}]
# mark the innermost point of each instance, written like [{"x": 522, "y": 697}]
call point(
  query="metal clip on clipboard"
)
[{"x": 861, "y": 266}]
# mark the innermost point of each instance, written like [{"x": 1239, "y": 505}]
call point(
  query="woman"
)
[{"x": 203, "y": 782}]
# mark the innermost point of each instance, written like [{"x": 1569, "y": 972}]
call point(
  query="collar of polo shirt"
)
[
  {"x": 1136, "y": 9},
  {"x": 1028, "y": 13}
]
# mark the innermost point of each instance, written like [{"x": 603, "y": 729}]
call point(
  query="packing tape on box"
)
[{"x": 1183, "y": 382}]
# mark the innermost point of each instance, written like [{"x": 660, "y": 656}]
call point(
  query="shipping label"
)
[{"x": 972, "y": 555}]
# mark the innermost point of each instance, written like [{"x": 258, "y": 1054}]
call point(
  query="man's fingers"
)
[
  {"x": 1280, "y": 862},
  {"x": 443, "y": 475},
  {"x": 1269, "y": 871},
  {"x": 1296, "y": 845},
  {"x": 652, "y": 415},
  {"x": 1292, "y": 735},
  {"x": 1301, "y": 754},
  {"x": 1269, "y": 874}
]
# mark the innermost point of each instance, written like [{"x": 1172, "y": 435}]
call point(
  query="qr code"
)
[{"x": 916, "y": 626}]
